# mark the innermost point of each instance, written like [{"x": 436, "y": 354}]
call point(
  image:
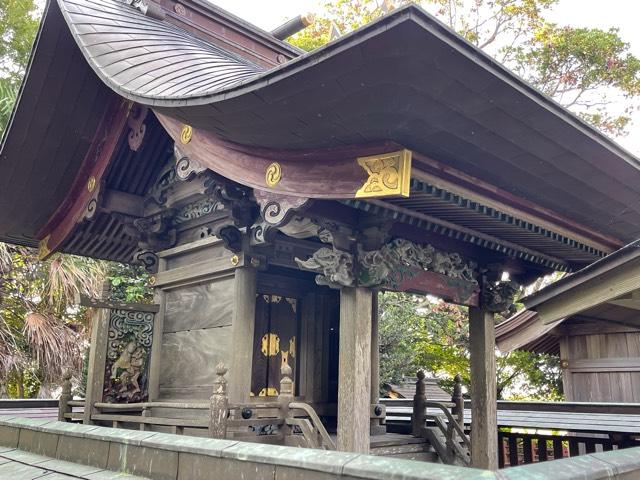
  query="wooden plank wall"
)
[
  {"x": 198, "y": 295},
  {"x": 602, "y": 363}
]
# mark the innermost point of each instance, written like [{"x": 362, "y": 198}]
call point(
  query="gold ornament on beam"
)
[
  {"x": 186, "y": 134},
  {"x": 273, "y": 174},
  {"x": 389, "y": 174},
  {"x": 91, "y": 184},
  {"x": 43, "y": 248}
]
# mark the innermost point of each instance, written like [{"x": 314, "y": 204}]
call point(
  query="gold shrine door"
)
[{"x": 276, "y": 332}]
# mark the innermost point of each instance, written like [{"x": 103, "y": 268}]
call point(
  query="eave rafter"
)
[{"x": 86, "y": 191}]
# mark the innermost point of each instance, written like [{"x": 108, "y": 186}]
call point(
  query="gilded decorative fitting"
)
[
  {"x": 43, "y": 248},
  {"x": 91, "y": 184},
  {"x": 152, "y": 281},
  {"x": 273, "y": 174},
  {"x": 235, "y": 260},
  {"x": 389, "y": 174},
  {"x": 186, "y": 134}
]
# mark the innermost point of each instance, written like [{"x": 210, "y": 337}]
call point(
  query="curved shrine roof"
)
[{"x": 405, "y": 78}]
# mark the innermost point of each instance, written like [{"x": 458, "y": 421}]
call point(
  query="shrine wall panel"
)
[
  {"x": 189, "y": 359},
  {"x": 197, "y": 317},
  {"x": 208, "y": 305},
  {"x": 602, "y": 367}
]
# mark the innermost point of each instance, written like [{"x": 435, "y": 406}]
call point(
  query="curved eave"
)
[
  {"x": 59, "y": 108},
  {"x": 405, "y": 78}
]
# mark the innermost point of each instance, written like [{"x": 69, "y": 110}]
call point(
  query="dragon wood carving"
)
[{"x": 386, "y": 267}]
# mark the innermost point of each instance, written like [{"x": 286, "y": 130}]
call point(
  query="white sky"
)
[{"x": 622, "y": 14}]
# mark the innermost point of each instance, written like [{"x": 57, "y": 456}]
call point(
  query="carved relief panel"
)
[{"x": 130, "y": 336}]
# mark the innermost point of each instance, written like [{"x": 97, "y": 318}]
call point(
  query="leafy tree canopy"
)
[
  {"x": 19, "y": 21},
  {"x": 420, "y": 333}
]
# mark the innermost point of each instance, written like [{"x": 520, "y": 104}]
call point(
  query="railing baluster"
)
[
  {"x": 419, "y": 416},
  {"x": 458, "y": 401},
  {"x": 558, "y": 451},
  {"x": 542, "y": 449},
  {"x": 527, "y": 449},
  {"x": 574, "y": 447},
  {"x": 63, "y": 406},
  {"x": 513, "y": 450},
  {"x": 219, "y": 402}
]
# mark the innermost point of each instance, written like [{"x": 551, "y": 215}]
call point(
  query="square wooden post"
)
[
  {"x": 354, "y": 370},
  {"x": 97, "y": 362},
  {"x": 484, "y": 421},
  {"x": 244, "y": 320}
]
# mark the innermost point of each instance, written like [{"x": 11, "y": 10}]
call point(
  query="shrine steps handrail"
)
[{"x": 327, "y": 443}]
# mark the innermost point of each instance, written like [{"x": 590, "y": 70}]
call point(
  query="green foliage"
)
[
  {"x": 42, "y": 332},
  {"x": 19, "y": 21},
  {"x": 583, "y": 69},
  {"x": 587, "y": 70},
  {"x": 418, "y": 333},
  {"x": 129, "y": 283}
]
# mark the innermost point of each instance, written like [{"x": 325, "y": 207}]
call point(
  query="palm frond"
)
[
  {"x": 69, "y": 276},
  {"x": 52, "y": 344}
]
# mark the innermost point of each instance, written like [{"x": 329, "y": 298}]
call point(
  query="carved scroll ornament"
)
[
  {"x": 498, "y": 297},
  {"x": 386, "y": 267},
  {"x": 335, "y": 267}
]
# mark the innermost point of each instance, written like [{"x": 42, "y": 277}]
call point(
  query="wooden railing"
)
[
  {"x": 312, "y": 429},
  {"x": 281, "y": 421},
  {"x": 529, "y": 432},
  {"x": 516, "y": 448},
  {"x": 444, "y": 426}
]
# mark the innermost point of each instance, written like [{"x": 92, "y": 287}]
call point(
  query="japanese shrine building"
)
[{"x": 273, "y": 192}]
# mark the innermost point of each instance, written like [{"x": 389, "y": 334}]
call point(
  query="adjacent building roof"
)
[{"x": 605, "y": 290}]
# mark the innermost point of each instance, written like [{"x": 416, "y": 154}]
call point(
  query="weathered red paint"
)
[{"x": 62, "y": 222}]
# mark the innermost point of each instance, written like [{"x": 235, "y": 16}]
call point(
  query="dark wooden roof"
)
[
  {"x": 405, "y": 78},
  {"x": 49, "y": 135}
]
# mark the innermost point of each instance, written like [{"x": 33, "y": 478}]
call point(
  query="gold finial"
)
[
  {"x": 91, "y": 184},
  {"x": 186, "y": 134},
  {"x": 273, "y": 174}
]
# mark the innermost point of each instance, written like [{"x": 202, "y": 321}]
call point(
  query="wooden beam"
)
[
  {"x": 123, "y": 202},
  {"x": 87, "y": 301},
  {"x": 453, "y": 290},
  {"x": 340, "y": 172},
  {"x": 243, "y": 326},
  {"x": 484, "y": 420},
  {"x": 354, "y": 370}
]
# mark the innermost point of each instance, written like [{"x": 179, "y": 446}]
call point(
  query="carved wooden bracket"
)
[
  {"x": 399, "y": 265},
  {"x": 499, "y": 297},
  {"x": 135, "y": 122}
]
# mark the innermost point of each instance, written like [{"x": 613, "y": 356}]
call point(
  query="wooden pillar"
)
[
  {"x": 484, "y": 430},
  {"x": 158, "y": 332},
  {"x": 375, "y": 351},
  {"x": 354, "y": 370},
  {"x": 97, "y": 361},
  {"x": 244, "y": 319}
]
